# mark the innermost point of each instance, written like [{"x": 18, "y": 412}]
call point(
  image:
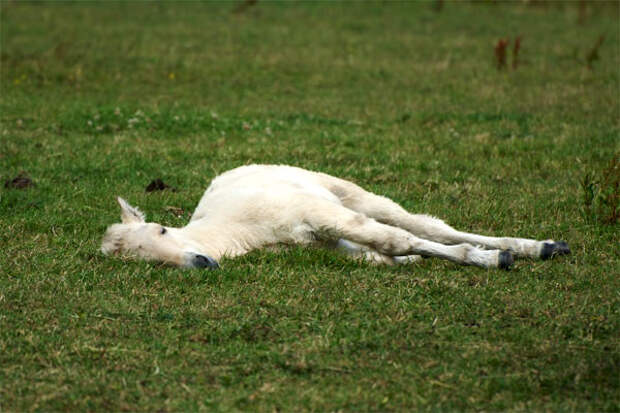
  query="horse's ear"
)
[{"x": 129, "y": 214}]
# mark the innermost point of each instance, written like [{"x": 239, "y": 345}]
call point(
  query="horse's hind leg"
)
[
  {"x": 388, "y": 212},
  {"x": 332, "y": 221},
  {"x": 436, "y": 230}
]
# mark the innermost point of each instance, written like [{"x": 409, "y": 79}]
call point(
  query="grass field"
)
[{"x": 98, "y": 99}]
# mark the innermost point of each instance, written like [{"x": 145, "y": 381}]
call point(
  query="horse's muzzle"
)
[{"x": 202, "y": 261}]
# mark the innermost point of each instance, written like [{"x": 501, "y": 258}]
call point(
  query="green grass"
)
[{"x": 98, "y": 99}]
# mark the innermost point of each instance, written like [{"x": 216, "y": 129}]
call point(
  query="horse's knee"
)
[
  {"x": 358, "y": 220},
  {"x": 396, "y": 244}
]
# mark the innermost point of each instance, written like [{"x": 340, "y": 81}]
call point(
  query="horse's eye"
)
[{"x": 163, "y": 230}]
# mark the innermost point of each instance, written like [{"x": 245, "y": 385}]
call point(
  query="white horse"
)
[{"x": 258, "y": 206}]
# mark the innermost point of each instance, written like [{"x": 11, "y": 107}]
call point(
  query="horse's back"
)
[{"x": 253, "y": 188}]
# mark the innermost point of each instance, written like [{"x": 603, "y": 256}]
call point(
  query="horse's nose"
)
[{"x": 202, "y": 261}]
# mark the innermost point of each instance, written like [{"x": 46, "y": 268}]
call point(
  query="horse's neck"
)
[{"x": 217, "y": 239}]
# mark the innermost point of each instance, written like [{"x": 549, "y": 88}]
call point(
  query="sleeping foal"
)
[{"x": 258, "y": 206}]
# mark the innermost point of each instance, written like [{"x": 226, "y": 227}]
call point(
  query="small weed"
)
[
  {"x": 601, "y": 194},
  {"x": 609, "y": 196},
  {"x": 500, "y": 53},
  {"x": 246, "y": 4},
  {"x": 581, "y": 12},
  {"x": 590, "y": 190},
  {"x": 593, "y": 55},
  {"x": 515, "y": 53}
]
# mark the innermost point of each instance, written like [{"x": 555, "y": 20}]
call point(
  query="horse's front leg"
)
[{"x": 365, "y": 253}]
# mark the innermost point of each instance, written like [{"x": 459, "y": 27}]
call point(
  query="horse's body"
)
[{"x": 256, "y": 206}]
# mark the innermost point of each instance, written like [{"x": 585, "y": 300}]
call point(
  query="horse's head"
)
[{"x": 152, "y": 241}]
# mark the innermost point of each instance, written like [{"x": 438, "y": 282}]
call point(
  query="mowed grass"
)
[{"x": 98, "y": 99}]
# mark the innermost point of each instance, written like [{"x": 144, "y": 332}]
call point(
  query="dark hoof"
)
[
  {"x": 202, "y": 261},
  {"x": 551, "y": 249},
  {"x": 505, "y": 260}
]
